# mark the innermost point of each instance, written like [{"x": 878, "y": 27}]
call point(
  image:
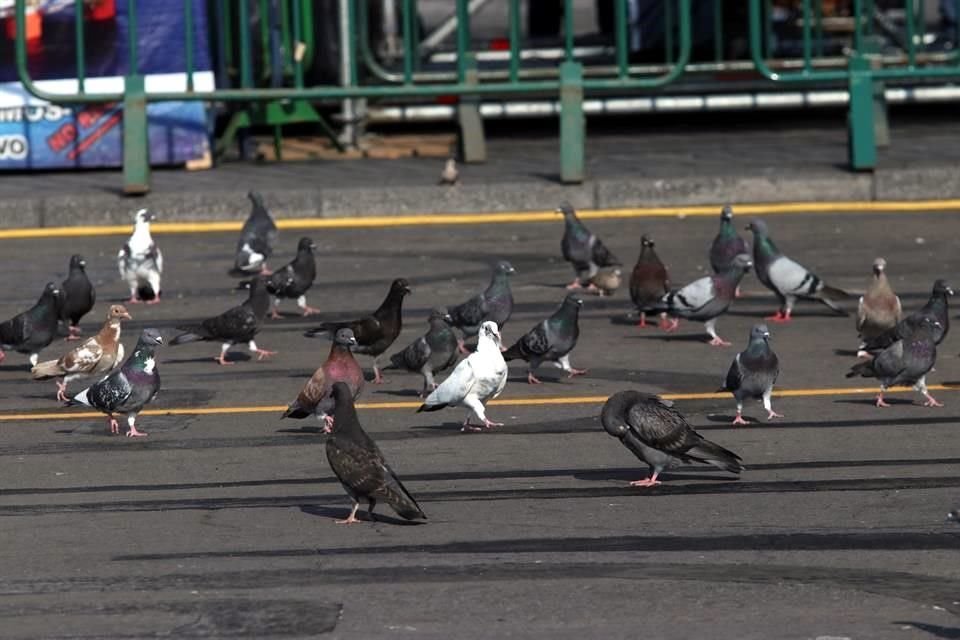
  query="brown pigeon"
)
[
  {"x": 340, "y": 366},
  {"x": 879, "y": 309}
]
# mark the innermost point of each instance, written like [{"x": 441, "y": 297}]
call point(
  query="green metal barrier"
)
[{"x": 865, "y": 72}]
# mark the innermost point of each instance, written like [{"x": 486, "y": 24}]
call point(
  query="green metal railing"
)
[{"x": 274, "y": 89}]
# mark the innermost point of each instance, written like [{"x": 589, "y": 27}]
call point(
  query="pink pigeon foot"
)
[
  {"x": 351, "y": 519},
  {"x": 61, "y": 390},
  {"x": 931, "y": 401},
  {"x": 263, "y": 353},
  {"x": 718, "y": 342},
  {"x": 132, "y": 432},
  {"x": 378, "y": 377},
  {"x": 490, "y": 424},
  {"x": 74, "y": 333},
  {"x": 223, "y": 361},
  {"x": 773, "y": 414},
  {"x": 574, "y": 285},
  {"x": 532, "y": 379},
  {"x": 156, "y": 300},
  {"x": 779, "y": 317},
  {"x": 739, "y": 420},
  {"x": 575, "y": 372},
  {"x": 328, "y": 424},
  {"x": 462, "y": 347},
  {"x": 643, "y": 321},
  {"x": 134, "y": 300},
  {"x": 274, "y": 314},
  {"x": 3, "y": 356},
  {"x": 646, "y": 482},
  {"x": 114, "y": 425},
  {"x": 310, "y": 311},
  {"x": 880, "y": 402},
  {"x": 265, "y": 271},
  {"x": 670, "y": 325},
  {"x": 736, "y": 292}
]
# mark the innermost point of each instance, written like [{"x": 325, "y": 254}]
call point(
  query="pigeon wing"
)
[
  {"x": 661, "y": 427},
  {"x": 602, "y": 257},
  {"x": 471, "y": 313},
  {"x": 112, "y": 392}
]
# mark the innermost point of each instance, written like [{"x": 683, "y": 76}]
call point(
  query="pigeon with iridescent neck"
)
[
  {"x": 727, "y": 245},
  {"x": 788, "y": 279},
  {"x": 550, "y": 341},
  {"x": 879, "y": 308},
  {"x": 316, "y": 395},
  {"x": 79, "y": 297},
  {"x": 582, "y": 249},
  {"x": 140, "y": 261},
  {"x": 649, "y": 282},
  {"x": 753, "y": 373},
  {"x": 257, "y": 238},
  {"x": 34, "y": 329},
  {"x": 293, "y": 280},
  {"x": 431, "y": 353},
  {"x": 494, "y": 303},
  {"x": 127, "y": 390},
  {"x": 706, "y": 299}
]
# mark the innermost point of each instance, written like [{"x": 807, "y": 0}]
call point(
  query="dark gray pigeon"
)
[
  {"x": 788, "y": 279},
  {"x": 360, "y": 466},
  {"x": 905, "y": 362},
  {"x": 293, "y": 280},
  {"x": 879, "y": 308},
  {"x": 582, "y": 249},
  {"x": 127, "y": 390},
  {"x": 35, "y": 328},
  {"x": 753, "y": 373},
  {"x": 706, "y": 299},
  {"x": 727, "y": 245},
  {"x": 431, "y": 353},
  {"x": 937, "y": 308},
  {"x": 551, "y": 341},
  {"x": 257, "y": 237},
  {"x": 78, "y": 296},
  {"x": 495, "y": 304},
  {"x": 649, "y": 282},
  {"x": 235, "y": 325},
  {"x": 659, "y": 435}
]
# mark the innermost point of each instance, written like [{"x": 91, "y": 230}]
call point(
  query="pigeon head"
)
[
  {"x": 441, "y": 314},
  {"x": 759, "y": 332},
  {"x": 726, "y": 214},
  {"x": 400, "y": 286},
  {"x": 930, "y": 323},
  {"x": 77, "y": 262},
  {"x": 143, "y": 216},
  {"x": 255, "y": 198},
  {"x": 954, "y": 516},
  {"x": 51, "y": 291},
  {"x": 878, "y": 266},
  {"x": 505, "y": 267},
  {"x": 742, "y": 261},
  {"x": 306, "y": 244},
  {"x": 941, "y": 288},
  {"x": 490, "y": 330},
  {"x": 759, "y": 227},
  {"x": 151, "y": 337},
  {"x": 573, "y": 300},
  {"x": 345, "y": 338},
  {"x": 647, "y": 241},
  {"x": 566, "y": 209},
  {"x": 118, "y": 311}
]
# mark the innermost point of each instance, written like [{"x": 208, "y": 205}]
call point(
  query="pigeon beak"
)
[
  {"x": 159, "y": 339},
  {"x": 125, "y": 315},
  {"x": 448, "y": 318},
  {"x": 766, "y": 334},
  {"x": 949, "y": 291},
  {"x": 353, "y": 341}
]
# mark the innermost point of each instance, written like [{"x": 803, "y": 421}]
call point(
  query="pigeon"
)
[
  {"x": 140, "y": 262},
  {"x": 789, "y": 280},
  {"x": 582, "y": 249},
  {"x": 659, "y": 435},
  {"x": 127, "y": 390},
  {"x": 295, "y": 279},
  {"x": 936, "y": 308},
  {"x": 237, "y": 324},
  {"x": 607, "y": 280},
  {"x": 376, "y": 332},
  {"x": 550, "y": 341},
  {"x": 753, "y": 373},
  {"x": 450, "y": 175},
  {"x": 431, "y": 353},
  {"x": 35, "y": 328},
  {"x": 79, "y": 296},
  {"x": 479, "y": 377},
  {"x": 495, "y": 303},
  {"x": 340, "y": 366},
  {"x": 727, "y": 245},
  {"x": 649, "y": 282},
  {"x": 879, "y": 308},
  {"x": 954, "y": 516},
  {"x": 707, "y": 298},
  {"x": 905, "y": 362},
  {"x": 97, "y": 355},
  {"x": 360, "y": 466},
  {"x": 257, "y": 238}
]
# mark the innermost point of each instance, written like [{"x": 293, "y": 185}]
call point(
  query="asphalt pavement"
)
[{"x": 220, "y": 522}]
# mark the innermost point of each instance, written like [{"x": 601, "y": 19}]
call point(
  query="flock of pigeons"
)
[{"x": 895, "y": 349}]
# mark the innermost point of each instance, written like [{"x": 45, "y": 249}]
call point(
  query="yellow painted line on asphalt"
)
[
  {"x": 503, "y": 402},
  {"x": 361, "y": 222}
]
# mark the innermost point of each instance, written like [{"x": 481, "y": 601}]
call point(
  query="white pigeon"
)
[
  {"x": 140, "y": 262},
  {"x": 479, "y": 377}
]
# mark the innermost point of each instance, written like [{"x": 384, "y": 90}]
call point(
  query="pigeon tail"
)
[
  {"x": 432, "y": 407},
  {"x": 146, "y": 292},
  {"x": 404, "y": 504},
  {"x": 712, "y": 453},
  {"x": 296, "y": 412},
  {"x": 187, "y": 337},
  {"x": 47, "y": 370},
  {"x": 864, "y": 369},
  {"x": 513, "y": 353},
  {"x": 831, "y": 295}
]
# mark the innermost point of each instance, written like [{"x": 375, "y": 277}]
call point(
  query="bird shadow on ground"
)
[
  {"x": 933, "y": 629},
  {"x": 542, "y": 378},
  {"x": 403, "y": 393},
  {"x": 728, "y": 419},
  {"x": 626, "y": 475},
  {"x": 302, "y": 430},
  {"x": 873, "y": 401},
  {"x": 341, "y": 514},
  {"x": 15, "y": 368},
  {"x": 42, "y": 396},
  {"x": 850, "y": 353},
  {"x": 669, "y": 337},
  {"x": 231, "y": 357}
]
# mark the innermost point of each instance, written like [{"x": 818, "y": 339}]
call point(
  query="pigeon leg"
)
[
  {"x": 564, "y": 363},
  {"x": 223, "y": 354},
  {"x": 61, "y": 390},
  {"x": 768, "y": 405},
  {"x": 643, "y": 320},
  {"x": 34, "y": 359},
  {"x": 3, "y": 356},
  {"x": 377, "y": 376},
  {"x": 880, "y": 402},
  {"x": 132, "y": 428},
  {"x": 428, "y": 382},
  {"x": 532, "y": 379},
  {"x": 711, "y": 327},
  {"x": 265, "y": 270},
  {"x": 779, "y": 316},
  {"x": 647, "y": 482},
  {"x": 575, "y": 285},
  {"x": 736, "y": 292},
  {"x": 477, "y": 407},
  {"x": 307, "y": 309},
  {"x": 261, "y": 353},
  {"x": 327, "y": 424},
  {"x": 73, "y": 332},
  {"x": 739, "y": 419},
  {"x": 371, "y": 505},
  {"x": 275, "y": 309},
  {"x": 490, "y": 424},
  {"x": 155, "y": 300},
  {"x": 352, "y": 517},
  {"x": 134, "y": 299},
  {"x": 113, "y": 425},
  {"x": 921, "y": 386},
  {"x": 670, "y": 325},
  {"x": 462, "y": 347}
]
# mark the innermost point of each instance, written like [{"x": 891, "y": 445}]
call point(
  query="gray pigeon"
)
[
  {"x": 582, "y": 249},
  {"x": 35, "y": 328},
  {"x": 905, "y": 362},
  {"x": 257, "y": 238},
  {"x": 937, "y": 308},
  {"x": 550, "y": 341},
  {"x": 879, "y": 307},
  {"x": 293, "y": 280},
  {"x": 753, "y": 373},
  {"x": 727, "y": 245},
  {"x": 649, "y": 282},
  {"x": 495, "y": 303},
  {"x": 659, "y": 435},
  {"x": 707, "y": 298},
  {"x": 360, "y": 466},
  {"x": 79, "y": 296},
  {"x": 431, "y": 353},
  {"x": 788, "y": 279},
  {"x": 140, "y": 261},
  {"x": 127, "y": 389}
]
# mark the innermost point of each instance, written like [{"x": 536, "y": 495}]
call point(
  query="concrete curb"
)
[{"x": 196, "y": 205}]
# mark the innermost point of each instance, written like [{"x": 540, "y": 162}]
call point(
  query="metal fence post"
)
[
  {"x": 473, "y": 146},
  {"x": 860, "y": 117},
  {"x": 136, "y": 147},
  {"x": 572, "y": 122}
]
